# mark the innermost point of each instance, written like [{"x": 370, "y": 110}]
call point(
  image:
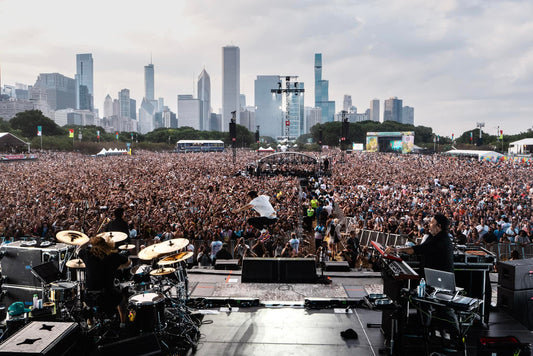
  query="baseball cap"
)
[{"x": 17, "y": 309}]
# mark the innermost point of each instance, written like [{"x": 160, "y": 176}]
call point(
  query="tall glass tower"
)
[
  {"x": 321, "y": 92},
  {"x": 149, "y": 82},
  {"x": 84, "y": 81},
  {"x": 204, "y": 95},
  {"x": 268, "y": 105},
  {"x": 231, "y": 78}
]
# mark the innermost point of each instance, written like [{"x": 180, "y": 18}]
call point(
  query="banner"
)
[
  {"x": 71, "y": 133},
  {"x": 116, "y": 135},
  {"x": 39, "y": 130},
  {"x": 98, "y": 134}
]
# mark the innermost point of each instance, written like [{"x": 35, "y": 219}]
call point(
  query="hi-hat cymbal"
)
[
  {"x": 148, "y": 253},
  {"x": 182, "y": 256},
  {"x": 72, "y": 237},
  {"x": 76, "y": 263},
  {"x": 126, "y": 247},
  {"x": 162, "y": 271},
  {"x": 115, "y": 236},
  {"x": 171, "y": 245}
]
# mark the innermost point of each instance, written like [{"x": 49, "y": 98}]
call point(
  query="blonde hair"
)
[{"x": 100, "y": 247}]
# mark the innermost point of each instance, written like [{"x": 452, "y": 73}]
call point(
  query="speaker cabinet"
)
[
  {"x": 278, "y": 270},
  {"x": 518, "y": 303},
  {"x": 337, "y": 266},
  {"x": 227, "y": 264},
  {"x": 516, "y": 275}
]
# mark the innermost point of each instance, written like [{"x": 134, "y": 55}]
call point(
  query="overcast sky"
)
[{"x": 456, "y": 62}]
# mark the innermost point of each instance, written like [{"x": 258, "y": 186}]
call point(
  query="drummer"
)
[
  {"x": 102, "y": 261},
  {"x": 119, "y": 224}
]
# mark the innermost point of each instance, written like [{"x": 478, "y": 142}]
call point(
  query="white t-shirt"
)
[{"x": 262, "y": 205}]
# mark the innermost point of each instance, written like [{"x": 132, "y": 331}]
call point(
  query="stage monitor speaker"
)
[
  {"x": 43, "y": 338},
  {"x": 142, "y": 345},
  {"x": 297, "y": 270},
  {"x": 227, "y": 264},
  {"x": 337, "y": 266},
  {"x": 516, "y": 275},
  {"x": 259, "y": 270},
  {"x": 518, "y": 303}
]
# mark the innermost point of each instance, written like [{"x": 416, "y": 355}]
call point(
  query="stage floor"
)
[{"x": 282, "y": 326}]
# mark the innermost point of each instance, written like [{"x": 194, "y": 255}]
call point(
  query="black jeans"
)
[{"x": 261, "y": 221}]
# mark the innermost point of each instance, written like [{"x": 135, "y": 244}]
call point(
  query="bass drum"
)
[{"x": 147, "y": 312}]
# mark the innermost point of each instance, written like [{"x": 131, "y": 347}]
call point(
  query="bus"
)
[{"x": 200, "y": 146}]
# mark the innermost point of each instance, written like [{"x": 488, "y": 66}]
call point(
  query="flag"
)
[
  {"x": 70, "y": 133},
  {"x": 98, "y": 134},
  {"x": 501, "y": 134},
  {"x": 39, "y": 130},
  {"x": 116, "y": 135},
  {"x": 452, "y": 136},
  {"x": 471, "y": 137}
]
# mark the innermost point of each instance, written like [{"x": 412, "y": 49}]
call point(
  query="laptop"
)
[
  {"x": 46, "y": 272},
  {"x": 442, "y": 282}
]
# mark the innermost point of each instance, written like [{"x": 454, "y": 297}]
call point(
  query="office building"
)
[
  {"x": 268, "y": 114},
  {"x": 392, "y": 110},
  {"x": 204, "y": 95},
  {"x": 188, "y": 111},
  {"x": 84, "y": 81},
  {"x": 149, "y": 81},
  {"x": 408, "y": 115},
  {"x": 133, "y": 109},
  {"x": 57, "y": 90},
  {"x": 231, "y": 68},
  {"x": 313, "y": 116},
  {"x": 124, "y": 103},
  {"x": 374, "y": 110},
  {"x": 322, "y": 92},
  {"x": 247, "y": 118},
  {"x": 108, "y": 106},
  {"x": 146, "y": 117},
  {"x": 347, "y": 103},
  {"x": 296, "y": 112}
]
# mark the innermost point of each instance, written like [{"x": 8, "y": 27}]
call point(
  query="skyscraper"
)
[
  {"x": 149, "y": 81},
  {"x": 204, "y": 95},
  {"x": 124, "y": 102},
  {"x": 268, "y": 105},
  {"x": 347, "y": 103},
  {"x": 189, "y": 112},
  {"x": 84, "y": 81},
  {"x": 321, "y": 92},
  {"x": 296, "y": 113},
  {"x": 231, "y": 77},
  {"x": 58, "y": 91},
  {"x": 146, "y": 116},
  {"x": 108, "y": 106},
  {"x": 392, "y": 110},
  {"x": 408, "y": 115},
  {"x": 374, "y": 110}
]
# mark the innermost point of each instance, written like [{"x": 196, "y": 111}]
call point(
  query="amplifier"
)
[
  {"x": 19, "y": 257},
  {"x": 516, "y": 275},
  {"x": 42, "y": 338},
  {"x": 518, "y": 303}
]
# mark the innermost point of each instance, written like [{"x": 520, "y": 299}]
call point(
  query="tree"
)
[{"x": 27, "y": 122}]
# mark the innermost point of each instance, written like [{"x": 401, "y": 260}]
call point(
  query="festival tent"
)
[
  {"x": 521, "y": 147},
  {"x": 480, "y": 155},
  {"x": 8, "y": 141},
  {"x": 102, "y": 152},
  {"x": 267, "y": 149}
]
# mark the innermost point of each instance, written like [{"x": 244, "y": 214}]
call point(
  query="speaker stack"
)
[
  {"x": 515, "y": 290},
  {"x": 278, "y": 270}
]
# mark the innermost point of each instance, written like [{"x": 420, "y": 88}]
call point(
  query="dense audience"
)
[{"x": 193, "y": 196}]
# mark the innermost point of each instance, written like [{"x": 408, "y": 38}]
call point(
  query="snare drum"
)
[
  {"x": 147, "y": 311},
  {"x": 63, "y": 291}
]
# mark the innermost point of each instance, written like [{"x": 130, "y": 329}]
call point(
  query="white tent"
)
[
  {"x": 480, "y": 155},
  {"x": 102, "y": 152},
  {"x": 521, "y": 147}
]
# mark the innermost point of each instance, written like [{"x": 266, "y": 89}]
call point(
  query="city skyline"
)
[{"x": 452, "y": 61}]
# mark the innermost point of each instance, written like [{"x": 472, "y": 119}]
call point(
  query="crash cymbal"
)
[
  {"x": 162, "y": 271},
  {"x": 76, "y": 263},
  {"x": 148, "y": 253},
  {"x": 126, "y": 247},
  {"x": 72, "y": 237},
  {"x": 171, "y": 245},
  {"x": 182, "y": 256},
  {"x": 141, "y": 269},
  {"x": 115, "y": 236}
]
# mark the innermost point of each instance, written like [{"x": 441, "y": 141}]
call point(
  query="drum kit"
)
[{"x": 157, "y": 290}]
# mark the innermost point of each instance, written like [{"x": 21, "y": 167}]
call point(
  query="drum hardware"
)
[
  {"x": 147, "y": 311},
  {"x": 182, "y": 256},
  {"x": 162, "y": 271},
  {"x": 72, "y": 237},
  {"x": 115, "y": 236},
  {"x": 148, "y": 253},
  {"x": 170, "y": 246},
  {"x": 76, "y": 263}
]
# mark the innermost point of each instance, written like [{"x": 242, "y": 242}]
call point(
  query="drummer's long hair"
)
[{"x": 100, "y": 247}]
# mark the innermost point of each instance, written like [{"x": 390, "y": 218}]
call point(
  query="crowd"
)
[{"x": 195, "y": 196}]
